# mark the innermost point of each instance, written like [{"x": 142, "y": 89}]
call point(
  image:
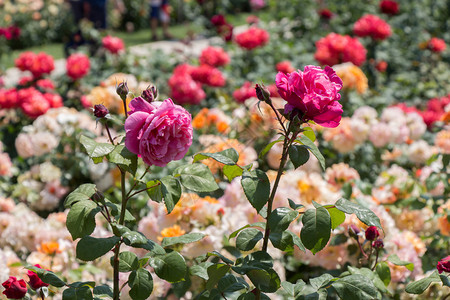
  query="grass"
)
[{"x": 179, "y": 32}]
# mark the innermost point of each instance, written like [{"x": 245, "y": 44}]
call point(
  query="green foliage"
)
[
  {"x": 303, "y": 140},
  {"x": 128, "y": 261},
  {"x": 266, "y": 280},
  {"x": 183, "y": 239},
  {"x": 355, "y": 287},
  {"x": 247, "y": 239},
  {"x": 122, "y": 157},
  {"x": 47, "y": 276},
  {"x": 196, "y": 177},
  {"x": 170, "y": 267},
  {"x": 299, "y": 155},
  {"x": 215, "y": 273},
  {"x": 81, "y": 218},
  {"x": 227, "y": 157},
  {"x": 256, "y": 187},
  {"x": 364, "y": 214},
  {"x": 384, "y": 272},
  {"x": 316, "y": 229},
  {"x": 83, "y": 292},
  {"x": 396, "y": 261},
  {"x": 83, "y": 192},
  {"x": 90, "y": 248},
  {"x": 171, "y": 191},
  {"x": 95, "y": 150},
  {"x": 419, "y": 286},
  {"x": 280, "y": 219},
  {"x": 141, "y": 284}
]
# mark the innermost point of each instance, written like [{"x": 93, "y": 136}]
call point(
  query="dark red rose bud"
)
[
  {"x": 372, "y": 233},
  {"x": 325, "y": 14},
  {"x": 100, "y": 111},
  {"x": 218, "y": 20},
  {"x": 378, "y": 244},
  {"x": 35, "y": 282},
  {"x": 262, "y": 93},
  {"x": 14, "y": 289},
  {"x": 150, "y": 94},
  {"x": 444, "y": 265},
  {"x": 122, "y": 90},
  {"x": 389, "y": 7}
]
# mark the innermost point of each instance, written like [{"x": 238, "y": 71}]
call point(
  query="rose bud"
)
[
  {"x": 378, "y": 244},
  {"x": 262, "y": 93},
  {"x": 353, "y": 231},
  {"x": 35, "y": 282},
  {"x": 150, "y": 94},
  {"x": 14, "y": 289},
  {"x": 372, "y": 233},
  {"x": 122, "y": 90},
  {"x": 100, "y": 111}
]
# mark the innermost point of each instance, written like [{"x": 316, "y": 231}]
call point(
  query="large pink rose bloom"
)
[
  {"x": 315, "y": 92},
  {"x": 159, "y": 132}
]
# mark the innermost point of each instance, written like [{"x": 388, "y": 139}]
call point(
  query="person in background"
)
[
  {"x": 159, "y": 11},
  {"x": 96, "y": 11}
]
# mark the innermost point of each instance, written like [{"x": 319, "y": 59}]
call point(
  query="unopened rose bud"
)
[
  {"x": 100, "y": 111},
  {"x": 263, "y": 93},
  {"x": 122, "y": 90},
  {"x": 353, "y": 231},
  {"x": 372, "y": 233},
  {"x": 98, "y": 196},
  {"x": 150, "y": 94},
  {"x": 378, "y": 244}
]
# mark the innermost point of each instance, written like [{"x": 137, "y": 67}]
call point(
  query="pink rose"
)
[
  {"x": 159, "y": 132},
  {"x": 315, "y": 92},
  {"x": 113, "y": 44}
]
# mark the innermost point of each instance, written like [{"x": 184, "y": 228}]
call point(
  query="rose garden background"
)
[{"x": 286, "y": 150}]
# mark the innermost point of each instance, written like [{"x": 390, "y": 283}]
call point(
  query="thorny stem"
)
[
  {"x": 142, "y": 190},
  {"x": 376, "y": 260},
  {"x": 117, "y": 247},
  {"x": 109, "y": 134},
  {"x": 136, "y": 181}
]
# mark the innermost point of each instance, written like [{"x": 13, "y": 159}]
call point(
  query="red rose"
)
[
  {"x": 372, "y": 233},
  {"x": 325, "y": 13},
  {"x": 35, "y": 282},
  {"x": 14, "y": 289},
  {"x": 444, "y": 265},
  {"x": 437, "y": 45},
  {"x": 389, "y": 7}
]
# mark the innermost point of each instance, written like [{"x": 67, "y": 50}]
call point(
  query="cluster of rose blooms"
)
[
  {"x": 437, "y": 109},
  {"x": 393, "y": 126},
  {"x": 186, "y": 81},
  {"x": 10, "y": 33},
  {"x": 35, "y": 99},
  {"x": 223, "y": 28},
  {"x": 17, "y": 289}
]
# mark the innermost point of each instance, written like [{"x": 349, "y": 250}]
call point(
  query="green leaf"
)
[
  {"x": 183, "y": 239},
  {"x": 267, "y": 281},
  {"x": 356, "y": 287},
  {"x": 321, "y": 281},
  {"x": 258, "y": 260},
  {"x": 137, "y": 240},
  {"x": 215, "y": 273},
  {"x": 141, "y": 284},
  {"x": 82, "y": 293},
  {"x": 285, "y": 241},
  {"x": 223, "y": 258},
  {"x": 247, "y": 239},
  {"x": 94, "y": 149},
  {"x": 123, "y": 157},
  {"x": 197, "y": 177},
  {"x": 397, "y": 261},
  {"x": 227, "y": 157},
  {"x": 299, "y": 155},
  {"x": 337, "y": 216},
  {"x": 445, "y": 280},
  {"x": 83, "y": 192},
  {"x": 200, "y": 270},
  {"x": 280, "y": 219},
  {"x": 384, "y": 272},
  {"x": 128, "y": 261},
  {"x": 81, "y": 218},
  {"x": 309, "y": 133},
  {"x": 230, "y": 283},
  {"x": 299, "y": 286},
  {"x": 47, "y": 276},
  {"x": 294, "y": 205},
  {"x": 256, "y": 187},
  {"x": 372, "y": 276},
  {"x": 268, "y": 147},
  {"x": 364, "y": 214},
  {"x": 418, "y": 287},
  {"x": 288, "y": 288},
  {"x": 171, "y": 192},
  {"x": 257, "y": 224},
  {"x": 90, "y": 248},
  {"x": 316, "y": 229},
  {"x": 232, "y": 172},
  {"x": 154, "y": 190},
  {"x": 103, "y": 292},
  {"x": 170, "y": 267},
  {"x": 313, "y": 148}
]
